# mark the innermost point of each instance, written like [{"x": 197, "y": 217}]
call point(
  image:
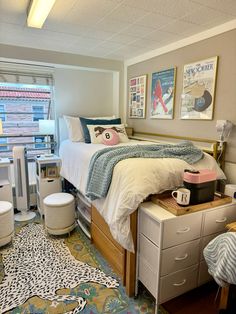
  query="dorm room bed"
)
[{"x": 114, "y": 218}]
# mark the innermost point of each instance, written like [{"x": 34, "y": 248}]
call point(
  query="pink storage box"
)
[{"x": 200, "y": 176}]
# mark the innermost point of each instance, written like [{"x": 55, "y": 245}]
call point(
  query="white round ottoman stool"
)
[
  {"x": 6, "y": 222},
  {"x": 59, "y": 212}
]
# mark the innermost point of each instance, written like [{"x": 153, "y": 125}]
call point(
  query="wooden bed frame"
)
[{"x": 122, "y": 261}]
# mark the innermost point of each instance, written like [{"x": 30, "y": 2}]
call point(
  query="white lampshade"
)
[
  {"x": 1, "y": 130},
  {"x": 47, "y": 127}
]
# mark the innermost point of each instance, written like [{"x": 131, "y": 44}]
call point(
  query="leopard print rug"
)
[{"x": 38, "y": 265}]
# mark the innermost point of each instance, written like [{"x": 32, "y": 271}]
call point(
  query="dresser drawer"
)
[
  {"x": 178, "y": 283},
  {"x": 205, "y": 240},
  {"x": 182, "y": 229},
  {"x": 149, "y": 252},
  {"x": 149, "y": 227},
  {"x": 180, "y": 257},
  {"x": 204, "y": 276},
  {"x": 147, "y": 276},
  {"x": 216, "y": 220}
]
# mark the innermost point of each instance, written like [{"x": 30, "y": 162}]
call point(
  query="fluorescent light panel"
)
[{"x": 38, "y": 12}]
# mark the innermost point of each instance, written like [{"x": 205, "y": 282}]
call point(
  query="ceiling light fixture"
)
[{"x": 38, "y": 12}]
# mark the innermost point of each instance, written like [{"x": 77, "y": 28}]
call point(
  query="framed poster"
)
[
  {"x": 197, "y": 99},
  {"x": 137, "y": 97},
  {"x": 162, "y": 94}
]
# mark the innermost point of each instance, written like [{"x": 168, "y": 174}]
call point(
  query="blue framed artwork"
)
[{"x": 163, "y": 94}]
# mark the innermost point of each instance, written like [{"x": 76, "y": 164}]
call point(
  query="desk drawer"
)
[
  {"x": 182, "y": 229},
  {"x": 149, "y": 227},
  {"x": 149, "y": 252},
  {"x": 180, "y": 257},
  {"x": 216, "y": 220},
  {"x": 178, "y": 283}
]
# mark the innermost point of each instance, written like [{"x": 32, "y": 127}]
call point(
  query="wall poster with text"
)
[
  {"x": 137, "y": 97},
  {"x": 163, "y": 94},
  {"x": 197, "y": 99}
]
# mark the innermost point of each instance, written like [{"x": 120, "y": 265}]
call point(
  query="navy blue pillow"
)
[{"x": 84, "y": 122}]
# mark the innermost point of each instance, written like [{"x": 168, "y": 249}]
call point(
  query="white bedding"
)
[{"x": 133, "y": 180}]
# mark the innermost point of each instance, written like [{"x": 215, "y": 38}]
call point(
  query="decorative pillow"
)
[
  {"x": 96, "y": 132},
  {"x": 84, "y": 122},
  {"x": 74, "y": 129},
  {"x": 110, "y": 137}
]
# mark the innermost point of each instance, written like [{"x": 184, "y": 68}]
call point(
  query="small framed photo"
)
[
  {"x": 51, "y": 172},
  {"x": 137, "y": 97}
]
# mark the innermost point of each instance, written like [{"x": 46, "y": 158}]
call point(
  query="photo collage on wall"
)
[
  {"x": 137, "y": 97},
  {"x": 197, "y": 98}
]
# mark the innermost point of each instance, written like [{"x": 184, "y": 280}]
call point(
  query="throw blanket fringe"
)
[
  {"x": 220, "y": 258},
  {"x": 103, "y": 162}
]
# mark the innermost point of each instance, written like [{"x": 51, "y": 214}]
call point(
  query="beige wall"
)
[
  {"x": 83, "y": 85},
  {"x": 224, "y": 46}
]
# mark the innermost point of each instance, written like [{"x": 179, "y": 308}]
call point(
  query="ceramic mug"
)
[{"x": 182, "y": 196}]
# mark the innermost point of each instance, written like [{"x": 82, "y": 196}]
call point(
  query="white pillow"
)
[
  {"x": 96, "y": 131},
  {"x": 75, "y": 129}
]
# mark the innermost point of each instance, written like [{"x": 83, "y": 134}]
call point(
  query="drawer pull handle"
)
[
  {"x": 179, "y": 283},
  {"x": 221, "y": 220},
  {"x": 186, "y": 229},
  {"x": 181, "y": 258}
]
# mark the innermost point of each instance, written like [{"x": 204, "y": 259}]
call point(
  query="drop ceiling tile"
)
[
  {"x": 123, "y": 39},
  {"x": 60, "y": 10},
  {"x": 112, "y": 25},
  {"x": 225, "y": 6},
  {"x": 127, "y": 13},
  {"x": 159, "y": 35},
  {"x": 179, "y": 27},
  {"x": 65, "y": 28},
  {"x": 109, "y": 45},
  {"x": 147, "y": 43},
  {"x": 155, "y": 20},
  {"x": 138, "y": 30},
  {"x": 98, "y": 34},
  {"x": 205, "y": 15}
]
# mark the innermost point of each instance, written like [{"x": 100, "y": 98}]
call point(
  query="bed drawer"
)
[
  {"x": 180, "y": 257},
  {"x": 178, "y": 283},
  {"x": 216, "y": 220},
  {"x": 149, "y": 252},
  {"x": 110, "y": 251},
  {"x": 149, "y": 227},
  {"x": 102, "y": 225},
  {"x": 182, "y": 229}
]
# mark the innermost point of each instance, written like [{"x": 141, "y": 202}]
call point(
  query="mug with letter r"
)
[{"x": 182, "y": 196}]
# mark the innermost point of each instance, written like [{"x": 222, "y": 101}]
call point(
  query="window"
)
[
  {"x": 3, "y": 140},
  {"x": 2, "y": 115},
  {"x": 38, "y": 113},
  {"x": 39, "y": 142}
]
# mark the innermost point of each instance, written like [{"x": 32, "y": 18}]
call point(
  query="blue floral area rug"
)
[{"x": 37, "y": 265}]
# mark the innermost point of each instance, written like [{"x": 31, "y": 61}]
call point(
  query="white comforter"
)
[{"x": 133, "y": 180}]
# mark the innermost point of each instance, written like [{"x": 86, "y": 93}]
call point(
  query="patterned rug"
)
[{"x": 99, "y": 299}]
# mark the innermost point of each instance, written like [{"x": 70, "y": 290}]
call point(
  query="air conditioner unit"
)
[{"x": 21, "y": 184}]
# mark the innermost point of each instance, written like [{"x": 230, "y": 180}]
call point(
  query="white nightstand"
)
[
  {"x": 170, "y": 261},
  {"x": 48, "y": 178},
  {"x": 5, "y": 180}
]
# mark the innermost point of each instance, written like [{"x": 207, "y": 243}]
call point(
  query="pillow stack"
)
[{"x": 105, "y": 130}]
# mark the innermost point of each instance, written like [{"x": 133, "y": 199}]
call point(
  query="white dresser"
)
[{"x": 170, "y": 259}]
